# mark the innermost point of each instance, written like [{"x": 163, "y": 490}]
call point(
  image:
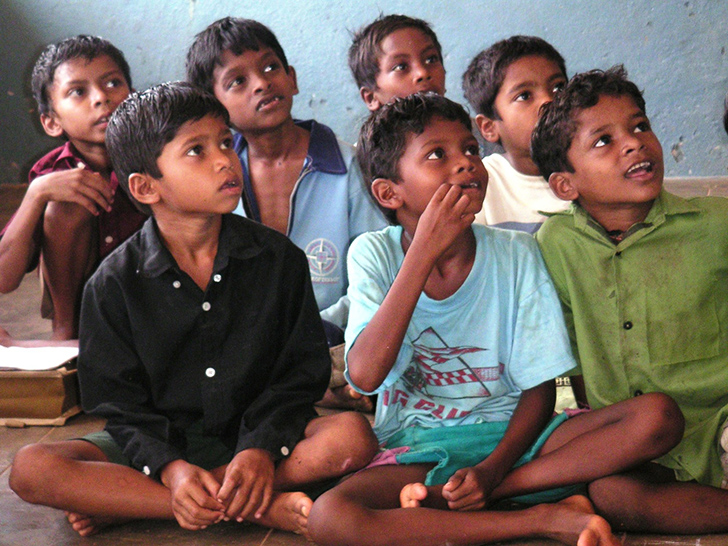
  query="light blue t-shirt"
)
[
  {"x": 330, "y": 206},
  {"x": 464, "y": 359}
]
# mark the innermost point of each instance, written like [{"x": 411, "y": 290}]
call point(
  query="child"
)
[
  {"x": 449, "y": 323},
  {"x": 396, "y": 56},
  {"x": 642, "y": 276},
  {"x": 71, "y": 216},
  {"x": 506, "y": 85},
  {"x": 201, "y": 346},
  {"x": 299, "y": 179}
]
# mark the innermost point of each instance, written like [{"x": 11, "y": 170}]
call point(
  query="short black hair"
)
[
  {"x": 556, "y": 127},
  {"x": 77, "y": 47},
  {"x": 146, "y": 122},
  {"x": 383, "y": 136},
  {"x": 486, "y": 72},
  {"x": 365, "y": 48},
  {"x": 228, "y": 34}
]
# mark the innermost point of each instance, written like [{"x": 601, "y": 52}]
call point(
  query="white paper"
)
[{"x": 35, "y": 358}]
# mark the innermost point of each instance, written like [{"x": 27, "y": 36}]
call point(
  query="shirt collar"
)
[
  {"x": 70, "y": 157},
  {"x": 155, "y": 258},
  {"x": 323, "y": 148}
]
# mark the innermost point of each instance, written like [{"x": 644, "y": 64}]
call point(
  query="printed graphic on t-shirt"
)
[{"x": 323, "y": 260}]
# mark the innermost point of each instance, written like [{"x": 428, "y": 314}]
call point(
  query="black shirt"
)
[{"x": 248, "y": 356}]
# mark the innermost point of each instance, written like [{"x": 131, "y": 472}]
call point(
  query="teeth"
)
[{"x": 643, "y": 165}]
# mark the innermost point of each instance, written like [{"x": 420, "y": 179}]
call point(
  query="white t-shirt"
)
[
  {"x": 464, "y": 359},
  {"x": 514, "y": 200}
]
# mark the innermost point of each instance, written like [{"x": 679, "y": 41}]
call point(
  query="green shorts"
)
[
  {"x": 205, "y": 451},
  {"x": 453, "y": 448}
]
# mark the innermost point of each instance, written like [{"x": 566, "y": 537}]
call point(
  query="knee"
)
[
  {"x": 328, "y": 521},
  {"x": 662, "y": 421},
  {"x": 360, "y": 438},
  {"x": 29, "y": 472}
]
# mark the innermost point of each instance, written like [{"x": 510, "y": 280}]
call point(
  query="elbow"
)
[{"x": 8, "y": 283}]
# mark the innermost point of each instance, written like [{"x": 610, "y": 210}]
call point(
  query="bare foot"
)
[
  {"x": 345, "y": 397},
  {"x": 288, "y": 512},
  {"x": 574, "y": 522},
  {"x": 412, "y": 495},
  {"x": 90, "y": 525}
]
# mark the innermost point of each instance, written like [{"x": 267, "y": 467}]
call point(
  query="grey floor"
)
[{"x": 22, "y": 524}]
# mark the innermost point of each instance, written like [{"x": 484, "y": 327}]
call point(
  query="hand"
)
[
  {"x": 469, "y": 488},
  {"x": 79, "y": 185},
  {"x": 443, "y": 220},
  {"x": 248, "y": 484},
  {"x": 194, "y": 495}
]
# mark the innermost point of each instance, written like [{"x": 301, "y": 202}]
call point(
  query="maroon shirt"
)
[{"x": 115, "y": 226}]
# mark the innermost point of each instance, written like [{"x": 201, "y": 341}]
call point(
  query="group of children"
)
[{"x": 204, "y": 336}]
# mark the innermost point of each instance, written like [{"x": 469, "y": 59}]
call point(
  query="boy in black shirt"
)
[{"x": 200, "y": 344}]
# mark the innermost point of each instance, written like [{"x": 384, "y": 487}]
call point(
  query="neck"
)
[
  {"x": 522, "y": 163},
  {"x": 189, "y": 237},
  {"x": 619, "y": 218},
  {"x": 278, "y": 143},
  {"x": 95, "y": 156}
]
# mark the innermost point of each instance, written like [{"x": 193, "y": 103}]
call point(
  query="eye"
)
[
  {"x": 194, "y": 151},
  {"x": 602, "y": 141},
  {"x": 399, "y": 67},
  {"x": 76, "y": 92},
  {"x": 227, "y": 143},
  {"x": 521, "y": 97},
  {"x": 271, "y": 67},
  {"x": 437, "y": 153},
  {"x": 235, "y": 82},
  {"x": 558, "y": 87},
  {"x": 473, "y": 149},
  {"x": 642, "y": 127},
  {"x": 114, "y": 83},
  {"x": 432, "y": 59}
]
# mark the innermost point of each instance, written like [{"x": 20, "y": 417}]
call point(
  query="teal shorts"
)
[
  {"x": 205, "y": 451},
  {"x": 453, "y": 448}
]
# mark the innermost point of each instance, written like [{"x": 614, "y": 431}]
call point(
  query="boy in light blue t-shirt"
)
[{"x": 458, "y": 328}]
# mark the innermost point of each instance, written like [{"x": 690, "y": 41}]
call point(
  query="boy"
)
[
  {"x": 641, "y": 276},
  {"x": 396, "y": 56},
  {"x": 71, "y": 215},
  {"x": 449, "y": 323},
  {"x": 201, "y": 346},
  {"x": 506, "y": 85},
  {"x": 299, "y": 179}
]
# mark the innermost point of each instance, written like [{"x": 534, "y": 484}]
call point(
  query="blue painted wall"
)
[{"x": 674, "y": 50}]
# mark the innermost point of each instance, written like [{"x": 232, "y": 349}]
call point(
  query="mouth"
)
[
  {"x": 231, "y": 184},
  {"x": 274, "y": 99},
  {"x": 640, "y": 169},
  {"x": 103, "y": 120},
  {"x": 473, "y": 184}
]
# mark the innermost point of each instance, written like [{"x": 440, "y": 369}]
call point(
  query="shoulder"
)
[
  {"x": 508, "y": 241},
  {"x": 382, "y": 242},
  {"x": 58, "y": 159}
]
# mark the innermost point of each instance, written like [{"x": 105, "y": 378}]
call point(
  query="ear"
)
[
  {"x": 488, "y": 128},
  {"x": 369, "y": 96},
  {"x": 384, "y": 191},
  {"x": 562, "y": 185},
  {"x": 143, "y": 188},
  {"x": 50, "y": 125},
  {"x": 292, "y": 75}
]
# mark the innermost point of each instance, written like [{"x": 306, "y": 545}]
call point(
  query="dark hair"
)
[
  {"x": 365, "y": 48},
  {"x": 556, "y": 127},
  {"x": 146, "y": 122},
  {"x": 486, "y": 72},
  {"x": 77, "y": 47},
  {"x": 725, "y": 114},
  {"x": 228, "y": 34},
  {"x": 383, "y": 136}
]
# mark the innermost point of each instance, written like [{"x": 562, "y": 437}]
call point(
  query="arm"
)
[
  {"x": 470, "y": 488},
  {"x": 375, "y": 351},
  {"x": 18, "y": 245}
]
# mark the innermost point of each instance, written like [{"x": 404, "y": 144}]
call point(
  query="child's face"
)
[
  {"x": 201, "y": 173},
  {"x": 83, "y": 96},
  {"x": 409, "y": 63},
  {"x": 255, "y": 88},
  {"x": 444, "y": 153},
  {"x": 529, "y": 82},
  {"x": 616, "y": 157}
]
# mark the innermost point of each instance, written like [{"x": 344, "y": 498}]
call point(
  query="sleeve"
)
[
  {"x": 541, "y": 349},
  {"x": 114, "y": 384},
  {"x": 371, "y": 273},
  {"x": 277, "y": 418}
]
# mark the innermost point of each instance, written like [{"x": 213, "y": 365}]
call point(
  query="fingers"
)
[
  {"x": 80, "y": 186},
  {"x": 251, "y": 495}
]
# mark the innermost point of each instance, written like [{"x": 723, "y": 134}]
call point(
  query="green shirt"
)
[{"x": 650, "y": 314}]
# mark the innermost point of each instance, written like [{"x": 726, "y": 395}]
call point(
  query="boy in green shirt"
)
[{"x": 642, "y": 276}]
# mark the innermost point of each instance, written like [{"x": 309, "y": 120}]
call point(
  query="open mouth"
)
[
  {"x": 231, "y": 183},
  {"x": 103, "y": 119},
  {"x": 644, "y": 167},
  {"x": 268, "y": 101}
]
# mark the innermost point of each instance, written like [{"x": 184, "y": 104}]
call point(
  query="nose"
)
[
  {"x": 464, "y": 163},
  {"x": 224, "y": 158},
  {"x": 260, "y": 83},
  {"x": 420, "y": 72},
  {"x": 99, "y": 95},
  {"x": 631, "y": 143}
]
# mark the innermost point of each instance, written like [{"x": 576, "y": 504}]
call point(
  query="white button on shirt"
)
[
  {"x": 176, "y": 284},
  {"x": 210, "y": 372},
  {"x": 206, "y": 306},
  {"x": 146, "y": 470},
  {"x": 217, "y": 277},
  {"x": 109, "y": 239},
  {"x": 285, "y": 451}
]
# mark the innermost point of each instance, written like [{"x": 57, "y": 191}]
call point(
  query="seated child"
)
[
  {"x": 71, "y": 215},
  {"x": 396, "y": 56},
  {"x": 299, "y": 179},
  {"x": 641, "y": 275},
  {"x": 506, "y": 85},
  {"x": 459, "y": 329},
  {"x": 200, "y": 344}
]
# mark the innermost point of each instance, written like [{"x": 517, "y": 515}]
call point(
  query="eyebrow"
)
[
  {"x": 531, "y": 83},
  {"x": 601, "y": 128},
  {"x": 102, "y": 77}
]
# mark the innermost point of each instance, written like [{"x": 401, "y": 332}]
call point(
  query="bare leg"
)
[
  {"x": 69, "y": 233},
  {"x": 364, "y": 510},
  {"x": 83, "y": 482},
  {"x": 600, "y": 443},
  {"x": 6, "y": 340},
  {"x": 650, "y": 500}
]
